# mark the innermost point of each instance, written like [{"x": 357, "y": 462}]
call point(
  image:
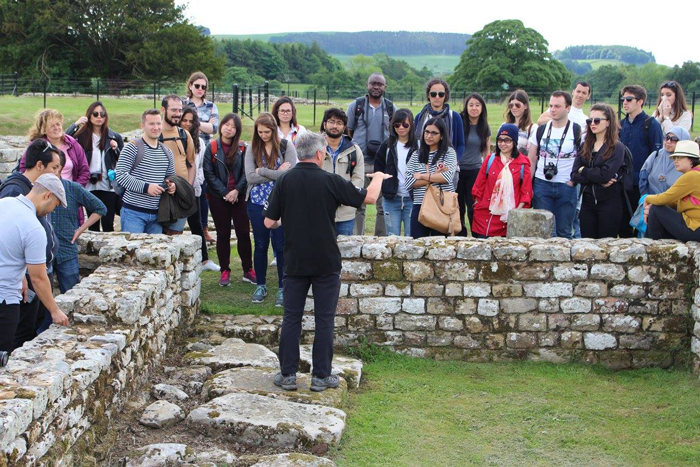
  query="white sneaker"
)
[
  {"x": 210, "y": 266},
  {"x": 273, "y": 262}
]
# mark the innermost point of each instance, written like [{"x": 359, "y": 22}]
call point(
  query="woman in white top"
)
[
  {"x": 285, "y": 113},
  {"x": 671, "y": 108},
  {"x": 518, "y": 113}
]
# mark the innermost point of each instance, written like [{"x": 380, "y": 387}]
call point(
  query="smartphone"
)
[{"x": 31, "y": 295}]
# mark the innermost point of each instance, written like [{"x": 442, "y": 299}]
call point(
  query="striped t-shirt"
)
[
  {"x": 449, "y": 160},
  {"x": 156, "y": 165}
]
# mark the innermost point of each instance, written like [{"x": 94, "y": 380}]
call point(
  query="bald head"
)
[{"x": 376, "y": 85}]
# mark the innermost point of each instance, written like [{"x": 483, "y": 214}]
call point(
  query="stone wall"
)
[
  {"x": 60, "y": 391},
  {"x": 622, "y": 303},
  {"x": 11, "y": 150}
]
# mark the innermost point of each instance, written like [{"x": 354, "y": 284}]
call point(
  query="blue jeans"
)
[
  {"x": 261, "y": 235},
  {"x": 140, "y": 222},
  {"x": 560, "y": 200},
  {"x": 396, "y": 211},
  {"x": 577, "y": 222},
  {"x": 178, "y": 225},
  {"x": 344, "y": 227},
  {"x": 68, "y": 274}
]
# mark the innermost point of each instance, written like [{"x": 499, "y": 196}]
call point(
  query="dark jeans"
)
[
  {"x": 666, "y": 222},
  {"x": 464, "y": 193},
  {"x": 262, "y": 235},
  {"x": 9, "y": 318},
  {"x": 601, "y": 219},
  {"x": 559, "y": 199},
  {"x": 204, "y": 207},
  {"x": 326, "y": 288},
  {"x": 195, "y": 224},
  {"x": 418, "y": 230},
  {"x": 379, "y": 226},
  {"x": 223, "y": 213},
  {"x": 626, "y": 230},
  {"x": 28, "y": 312},
  {"x": 111, "y": 202}
]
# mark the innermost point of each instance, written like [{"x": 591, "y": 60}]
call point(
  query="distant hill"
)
[
  {"x": 399, "y": 43},
  {"x": 622, "y": 53}
]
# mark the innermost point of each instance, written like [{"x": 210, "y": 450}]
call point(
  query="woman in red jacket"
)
[{"x": 495, "y": 193}]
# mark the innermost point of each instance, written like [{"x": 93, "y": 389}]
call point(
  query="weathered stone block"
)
[
  {"x": 397, "y": 290},
  {"x": 453, "y": 289},
  {"x": 441, "y": 252},
  {"x": 549, "y": 252},
  {"x": 621, "y": 323},
  {"x": 361, "y": 322},
  {"x": 644, "y": 307},
  {"x": 477, "y": 289},
  {"x": 350, "y": 249},
  {"x": 518, "y": 305},
  {"x": 509, "y": 251},
  {"x": 440, "y": 306},
  {"x": 417, "y": 271},
  {"x": 439, "y": 339},
  {"x": 530, "y": 223},
  {"x": 591, "y": 289},
  {"x": 551, "y": 289},
  {"x": 575, "y": 305},
  {"x": 414, "y": 339},
  {"x": 387, "y": 271},
  {"x": 385, "y": 322},
  {"x": 426, "y": 289},
  {"x": 521, "y": 340},
  {"x": 376, "y": 251},
  {"x": 488, "y": 307},
  {"x": 409, "y": 251},
  {"x": 474, "y": 250},
  {"x": 414, "y": 306},
  {"x": 599, "y": 341},
  {"x": 628, "y": 291},
  {"x": 346, "y": 306},
  {"x": 627, "y": 253},
  {"x": 380, "y": 305},
  {"x": 407, "y": 322},
  {"x": 549, "y": 339},
  {"x": 549, "y": 305},
  {"x": 495, "y": 341},
  {"x": 531, "y": 271},
  {"x": 610, "y": 305},
  {"x": 571, "y": 272},
  {"x": 582, "y": 250},
  {"x": 366, "y": 290},
  {"x": 449, "y": 323},
  {"x": 585, "y": 322},
  {"x": 571, "y": 340},
  {"x": 642, "y": 274},
  {"x": 455, "y": 271},
  {"x": 532, "y": 322},
  {"x": 468, "y": 342},
  {"x": 356, "y": 270},
  {"x": 475, "y": 325},
  {"x": 559, "y": 322},
  {"x": 662, "y": 291},
  {"x": 607, "y": 272},
  {"x": 636, "y": 341},
  {"x": 465, "y": 306},
  {"x": 507, "y": 290},
  {"x": 670, "y": 324}
]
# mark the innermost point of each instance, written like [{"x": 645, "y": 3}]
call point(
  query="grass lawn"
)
[{"x": 414, "y": 412}]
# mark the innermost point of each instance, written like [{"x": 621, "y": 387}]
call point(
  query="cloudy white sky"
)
[{"x": 669, "y": 32}]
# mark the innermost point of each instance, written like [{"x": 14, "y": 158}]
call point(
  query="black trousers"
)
[
  {"x": 111, "y": 202},
  {"x": 9, "y": 318},
  {"x": 326, "y": 289},
  {"x": 626, "y": 230},
  {"x": 418, "y": 230},
  {"x": 666, "y": 222},
  {"x": 601, "y": 219},
  {"x": 467, "y": 178},
  {"x": 195, "y": 223},
  {"x": 28, "y": 313}
]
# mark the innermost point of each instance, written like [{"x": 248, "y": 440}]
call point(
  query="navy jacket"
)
[{"x": 632, "y": 136}]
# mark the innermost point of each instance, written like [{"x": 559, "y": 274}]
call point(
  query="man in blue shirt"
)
[{"x": 642, "y": 135}]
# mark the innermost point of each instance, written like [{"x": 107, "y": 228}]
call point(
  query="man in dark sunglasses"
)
[{"x": 642, "y": 135}]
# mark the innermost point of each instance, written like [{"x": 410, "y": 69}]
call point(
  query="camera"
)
[
  {"x": 4, "y": 356},
  {"x": 95, "y": 177},
  {"x": 550, "y": 170}
]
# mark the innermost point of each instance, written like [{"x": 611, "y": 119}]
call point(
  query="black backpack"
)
[
  {"x": 181, "y": 135},
  {"x": 360, "y": 108},
  {"x": 352, "y": 162}
]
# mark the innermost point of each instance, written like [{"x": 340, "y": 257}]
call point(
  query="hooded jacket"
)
[
  {"x": 658, "y": 173},
  {"x": 486, "y": 223},
  {"x": 180, "y": 205},
  {"x": 340, "y": 167}
]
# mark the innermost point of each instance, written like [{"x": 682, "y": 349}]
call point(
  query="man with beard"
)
[
  {"x": 180, "y": 143},
  {"x": 368, "y": 123},
  {"x": 343, "y": 157}
]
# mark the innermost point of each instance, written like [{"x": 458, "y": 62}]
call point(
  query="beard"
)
[
  {"x": 334, "y": 133},
  {"x": 172, "y": 121}
]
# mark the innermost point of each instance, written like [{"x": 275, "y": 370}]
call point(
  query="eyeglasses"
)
[
  {"x": 285, "y": 111},
  {"x": 628, "y": 99},
  {"x": 335, "y": 123},
  {"x": 99, "y": 114},
  {"x": 203, "y": 87},
  {"x": 515, "y": 105},
  {"x": 402, "y": 124},
  {"x": 431, "y": 133},
  {"x": 595, "y": 121},
  {"x": 504, "y": 140},
  {"x": 672, "y": 138},
  {"x": 437, "y": 93}
]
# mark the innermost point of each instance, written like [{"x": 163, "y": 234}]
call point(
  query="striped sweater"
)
[
  {"x": 155, "y": 167},
  {"x": 449, "y": 159}
]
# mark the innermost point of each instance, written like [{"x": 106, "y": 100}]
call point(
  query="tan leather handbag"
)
[{"x": 440, "y": 211}]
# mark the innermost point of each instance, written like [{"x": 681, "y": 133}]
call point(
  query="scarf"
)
[{"x": 427, "y": 113}]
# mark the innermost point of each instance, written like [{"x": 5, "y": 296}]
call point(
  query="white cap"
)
[{"x": 54, "y": 185}]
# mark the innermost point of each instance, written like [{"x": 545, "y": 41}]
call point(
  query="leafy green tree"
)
[
  {"x": 606, "y": 80},
  {"x": 650, "y": 76},
  {"x": 688, "y": 75},
  {"x": 506, "y": 54}
]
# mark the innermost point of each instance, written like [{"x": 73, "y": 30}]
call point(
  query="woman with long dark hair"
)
[
  {"x": 102, "y": 146},
  {"x": 392, "y": 158},
  {"x": 434, "y": 163},
  {"x": 437, "y": 91},
  {"x": 223, "y": 169},
  {"x": 597, "y": 168},
  {"x": 285, "y": 112},
  {"x": 518, "y": 112},
  {"x": 490, "y": 219},
  {"x": 478, "y": 144},
  {"x": 266, "y": 159},
  {"x": 671, "y": 108}
]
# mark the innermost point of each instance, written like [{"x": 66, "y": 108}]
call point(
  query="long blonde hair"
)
[{"x": 41, "y": 123}]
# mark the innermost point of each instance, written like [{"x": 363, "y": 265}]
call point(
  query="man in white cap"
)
[{"x": 24, "y": 247}]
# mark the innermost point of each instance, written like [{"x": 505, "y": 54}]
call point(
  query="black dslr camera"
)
[
  {"x": 95, "y": 177},
  {"x": 4, "y": 356},
  {"x": 550, "y": 171}
]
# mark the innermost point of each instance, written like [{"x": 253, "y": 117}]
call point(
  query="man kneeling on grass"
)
[{"x": 306, "y": 199}]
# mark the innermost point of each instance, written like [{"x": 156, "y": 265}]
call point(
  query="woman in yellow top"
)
[{"x": 683, "y": 222}]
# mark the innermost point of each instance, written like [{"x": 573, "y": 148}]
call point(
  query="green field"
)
[
  {"x": 438, "y": 64},
  {"x": 599, "y": 63}
]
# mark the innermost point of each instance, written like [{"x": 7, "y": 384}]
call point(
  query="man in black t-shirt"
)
[{"x": 306, "y": 199}]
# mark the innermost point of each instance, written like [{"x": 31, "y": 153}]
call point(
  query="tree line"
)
[{"x": 622, "y": 53}]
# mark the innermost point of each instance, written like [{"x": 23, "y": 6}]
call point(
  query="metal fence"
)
[{"x": 250, "y": 99}]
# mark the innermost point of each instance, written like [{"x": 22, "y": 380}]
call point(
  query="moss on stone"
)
[
  {"x": 388, "y": 270},
  {"x": 22, "y": 393},
  {"x": 214, "y": 414},
  {"x": 195, "y": 355}
]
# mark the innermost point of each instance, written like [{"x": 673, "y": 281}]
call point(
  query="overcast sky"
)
[{"x": 561, "y": 23}]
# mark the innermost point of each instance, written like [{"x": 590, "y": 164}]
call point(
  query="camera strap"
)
[{"x": 561, "y": 142}]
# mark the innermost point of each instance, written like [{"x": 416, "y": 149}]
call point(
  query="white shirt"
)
[
  {"x": 565, "y": 160},
  {"x": 577, "y": 115},
  {"x": 97, "y": 165},
  {"x": 401, "y": 153}
]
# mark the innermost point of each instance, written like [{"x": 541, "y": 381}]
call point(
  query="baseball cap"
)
[{"x": 54, "y": 185}]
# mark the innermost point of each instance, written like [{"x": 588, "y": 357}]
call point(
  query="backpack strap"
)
[
  {"x": 646, "y": 128},
  {"x": 359, "y": 108},
  {"x": 539, "y": 134},
  {"x": 577, "y": 136},
  {"x": 214, "y": 150},
  {"x": 352, "y": 161},
  {"x": 488, "y": 165},
  {"x": 140, "y": 153},
  {"x": 283, "y": 148},
  {"x": 389, "y": 108}
]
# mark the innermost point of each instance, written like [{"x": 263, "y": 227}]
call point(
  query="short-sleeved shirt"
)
[
  {"x": 472, "y": 157},
  {"x": 23, "y": 242},
  {"x": 564, "y": 161},
  {"x": 373, "y": 125},
  {"x": 181, "y": 157},
  {"x": 306, "y": 199}
]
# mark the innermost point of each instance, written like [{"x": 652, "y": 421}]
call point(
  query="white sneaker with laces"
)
[{"x": 210, "y": 266}]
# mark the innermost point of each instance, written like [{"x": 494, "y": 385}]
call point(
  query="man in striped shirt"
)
[{"x": 147, "y": 181}]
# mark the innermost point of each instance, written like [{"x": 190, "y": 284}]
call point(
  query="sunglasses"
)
[
  {"x": 628, "y": 99},
  {"x": 203, "y": 87},
  {"x": 504, "y": 140},
  {"x": 402, "y": 124},
  {"x": 669, "y": 84},
  {"x": 515, "y": 105},
  {"x": 50, "y": 146},
  {"x": 437, "y": 93},
  {"x": 672, "y": 138},
  {"x": 595, "y": 121},
  {"x": 99, "y": 114}
]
